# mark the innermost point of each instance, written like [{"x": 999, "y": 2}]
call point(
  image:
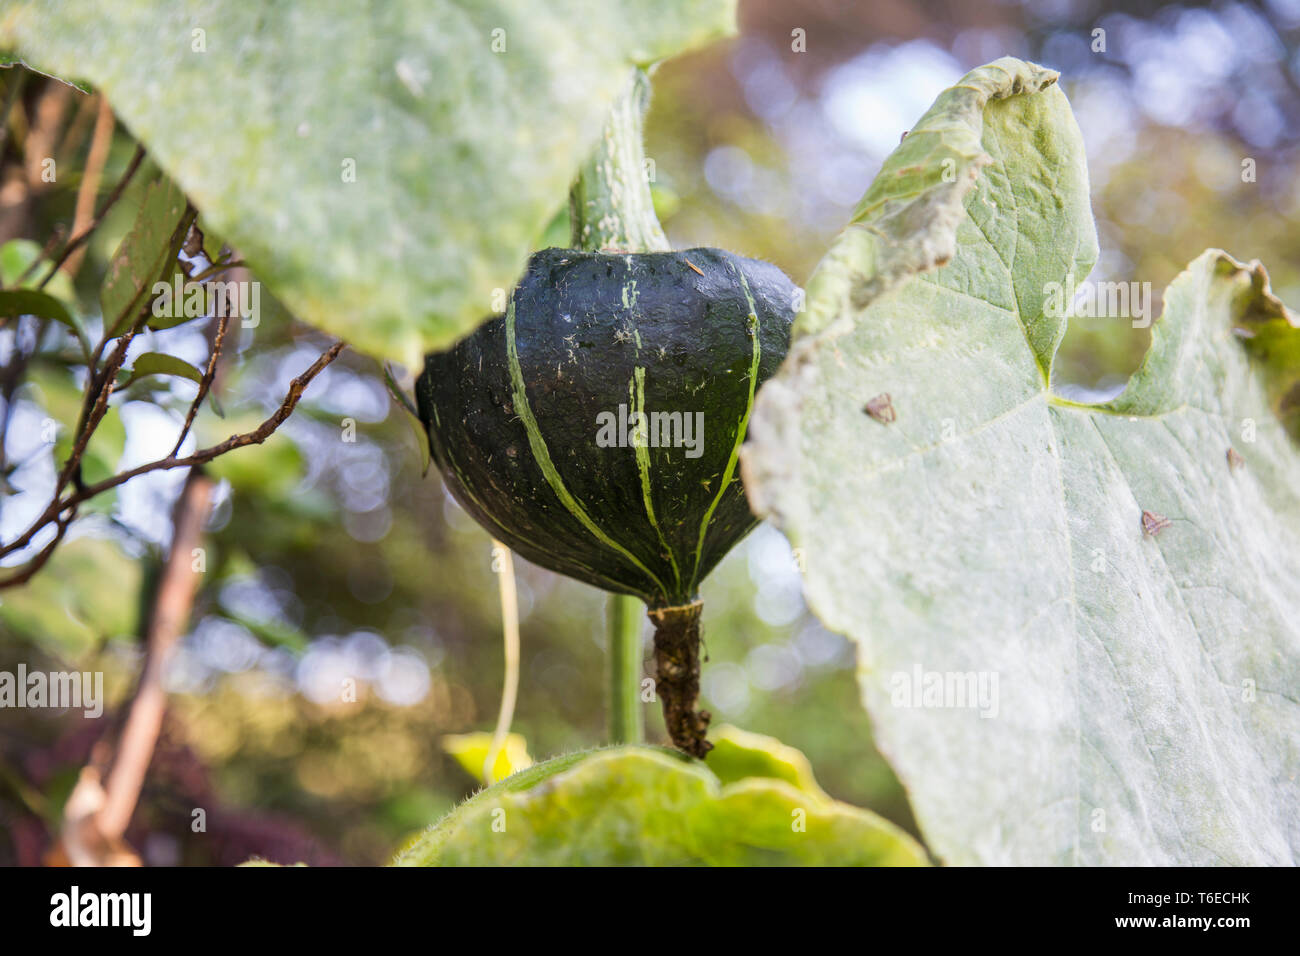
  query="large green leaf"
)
[
  {"x": 638, "y": 805},
  {"x": 463, "y": 120},
  {"x": 1145, "y": 708}
]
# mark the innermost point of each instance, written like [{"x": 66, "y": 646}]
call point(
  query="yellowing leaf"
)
[
  {"x": 643, "y": 806},
  {"x": 738, "y": 754},
  {"x": 471, "y": 752}
]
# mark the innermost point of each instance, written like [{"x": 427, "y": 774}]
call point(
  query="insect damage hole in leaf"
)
[
  {"x": 881, "y": 408},
  {"x": 1153, "y": 524}
]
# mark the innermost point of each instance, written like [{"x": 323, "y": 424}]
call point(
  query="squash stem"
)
[
  {"x": 610, "y": 206},
  {"x": 625, "y": 717},
  {"x": 677, "y": 675},
  {"x": 611, "y": 210}
]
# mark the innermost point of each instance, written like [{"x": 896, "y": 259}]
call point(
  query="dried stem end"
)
[{"x": 677, "y": 678}]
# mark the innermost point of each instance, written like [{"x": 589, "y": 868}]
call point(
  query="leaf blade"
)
[
  {"x": 994, "y": 531},
  {"x": 427, "y": 145},
  {"x": 639, "y": 805},
  {"x": 158, "y": 363}
]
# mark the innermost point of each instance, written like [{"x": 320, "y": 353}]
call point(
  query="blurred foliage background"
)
[{"x": 332, "y": 556}]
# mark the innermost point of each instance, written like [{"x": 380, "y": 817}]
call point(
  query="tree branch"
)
[
  {"x": 62, "y": 504},
  {"x": 101, "y": 382},
  {"x": 170, "y": 614},
  {"x": 82, "y": 216},
  {"x": 76, "y": 241},
  {"x": 204, "y": 384},
  {"x": 96, "y": 815}
]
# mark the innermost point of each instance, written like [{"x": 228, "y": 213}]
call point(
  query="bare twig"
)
[
  {"x": 95, "y": 159},
  {"x": 102, "y": 379},
  {"x": 29, "y": 569},
  {"x": 58, "y": 233},
  {"x": 172, "y": 605},
  {"x": 100, "y": 807},
  {"x": 223, "y": 323},
  {"x": 216, "y": 269},
  {"x": 108, "y": 378},
  {"x": 258, "y": 435},
  {"x": 76, "y": 241},
  {"x": 79, "y": 128},
  {"x": 62, "y": 504},
  {"x": 47, "y": 121},
  {"x": 101, "y": 382}
]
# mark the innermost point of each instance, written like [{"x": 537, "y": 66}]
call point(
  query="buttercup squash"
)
[{"x": 594, "y": 427}]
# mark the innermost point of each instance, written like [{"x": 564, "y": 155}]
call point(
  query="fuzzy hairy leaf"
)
[
  {"x": 1056, "y": 677},
  {"x": 383, "y": 166},
  {"x": 639, "y": 805},
  {"x": 738, "y": 754}
]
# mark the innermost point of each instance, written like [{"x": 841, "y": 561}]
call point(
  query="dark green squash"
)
[
  {"x": 522, "y": 412},
  {"x": 532, "y": 422}
]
